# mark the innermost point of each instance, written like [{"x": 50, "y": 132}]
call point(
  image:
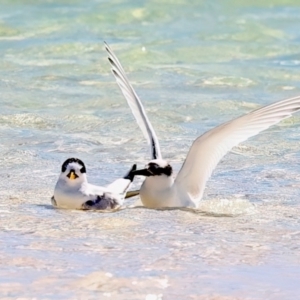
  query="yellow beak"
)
[{"x": 72, "y": 175}]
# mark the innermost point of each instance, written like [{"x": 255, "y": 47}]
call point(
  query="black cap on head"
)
[
  {"x": 155, "y": 169},
  {"x": 71, "y": 160}
]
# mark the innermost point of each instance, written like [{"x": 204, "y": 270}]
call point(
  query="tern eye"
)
[
  {"x": 83, "y": 169},
  {"x": 153, "y": 167}
]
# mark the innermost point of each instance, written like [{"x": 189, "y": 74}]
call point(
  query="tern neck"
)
[{"x": 159, "y": 182}]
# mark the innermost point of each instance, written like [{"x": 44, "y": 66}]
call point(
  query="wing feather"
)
[
  {"x": 208, "y": 149},
  {"x": 134, "y": 103}
]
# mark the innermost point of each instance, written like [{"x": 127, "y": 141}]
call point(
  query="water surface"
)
[{"x": 194, "y": 65}]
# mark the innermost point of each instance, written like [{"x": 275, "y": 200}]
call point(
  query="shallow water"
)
[{"x": 194, "y": 65}]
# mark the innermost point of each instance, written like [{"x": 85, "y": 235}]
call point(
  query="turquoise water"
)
[{"x": 194, "y": 65}]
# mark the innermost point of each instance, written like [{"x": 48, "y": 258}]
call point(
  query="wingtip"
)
[
  {"x": 113, "y": 71},
  {"x": 130, "y": 174},
  {"x": 110, "y": 60},
  {"x": 107, "y": 48}
]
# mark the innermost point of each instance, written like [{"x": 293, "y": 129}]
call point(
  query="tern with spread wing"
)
[
  {"x": 160, "y": 189},
  {"x": 73, "y": 191}
]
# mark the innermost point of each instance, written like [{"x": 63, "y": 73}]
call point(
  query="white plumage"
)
[
  {"x": 159, "y": 188},
  {"x": 73, "y": 191}
]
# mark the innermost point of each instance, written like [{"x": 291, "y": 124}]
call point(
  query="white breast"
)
[
  {"x": 68, "y": 198},
  {"x": 160, "y": 191}
]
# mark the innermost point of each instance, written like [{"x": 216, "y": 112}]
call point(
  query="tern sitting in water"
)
[
  {"x": 160, "y": 189},
  {"x": 73, "y": 191}
]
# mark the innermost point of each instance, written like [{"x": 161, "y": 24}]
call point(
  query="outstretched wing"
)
[
  {"x": 121, "y": 185},
  {"x": 134, "y": 103},
  {"x": 208, "y": 149}
]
